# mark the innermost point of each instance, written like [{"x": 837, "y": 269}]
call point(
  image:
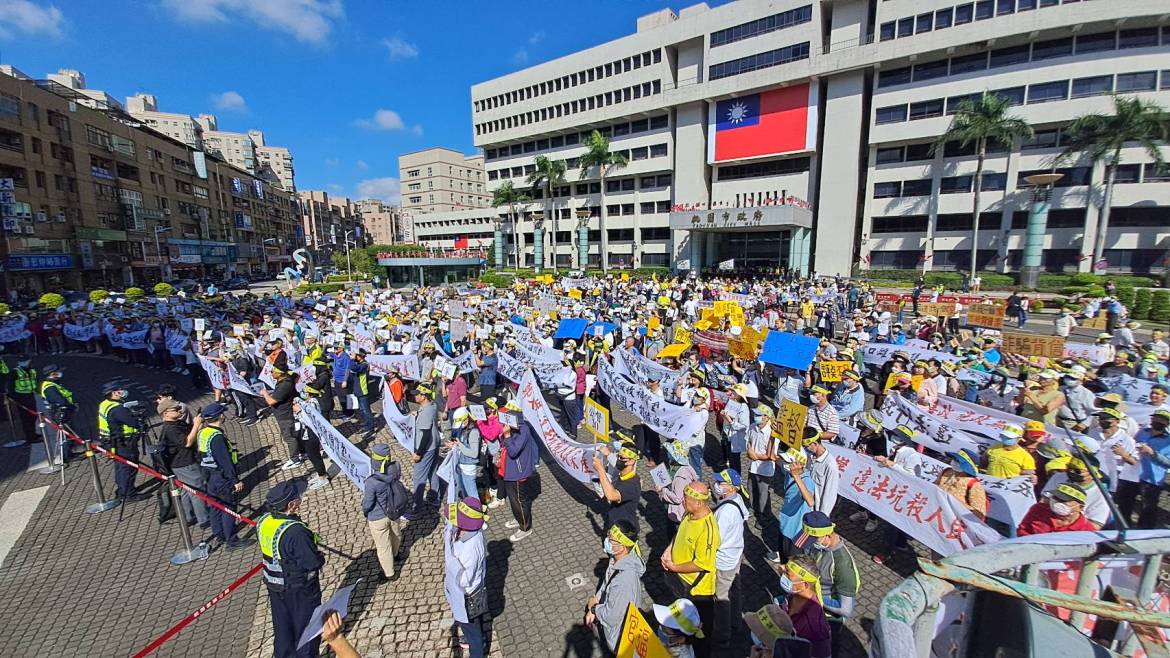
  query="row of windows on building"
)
[
  {"x": 1142, "y": 37},
  {"x": 599, "y": 72},
  {"x": 1060, "y": 218},
  {"x": 567, "y": 237},
  {"x": 992, "y": 181},
  {"x": 611, "y": 131},
  {"x": 611, "y": 210},
  {"x": 1053, "y": 260},
  {"x": 784, "y": 19},
  {"x": 967, "y": 12},
  {"x": 633, "y": 155},
  {"x": 1042, "y": 92},
  {"x": 758, "y": 61},
  {"x": 596, "y": 101}
]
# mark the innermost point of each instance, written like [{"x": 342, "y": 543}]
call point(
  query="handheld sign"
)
[
  {"x": 789, "y": 423},
  {"x": 596, "y": 420},
  {"x": 831, "y": 371}
]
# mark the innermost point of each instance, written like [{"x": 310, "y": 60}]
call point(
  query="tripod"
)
[{"x": 57, "y": 463}]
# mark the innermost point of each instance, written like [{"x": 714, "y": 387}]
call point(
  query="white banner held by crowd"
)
[
  {"x": 407, "y": 365},
  {"x": 347, "y": 456},
  {"x": 576, "y": 458},
  {"x": 400, "y": 425},
  {"x": 670, "y": 420}
]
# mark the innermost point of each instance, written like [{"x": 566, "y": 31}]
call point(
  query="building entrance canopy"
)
[
  {"x": 781, "y": 236},
  {"x": 759, "y": 218}
]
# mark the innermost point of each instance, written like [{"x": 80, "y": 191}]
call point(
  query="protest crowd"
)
[{"x": 764, "y": 405}]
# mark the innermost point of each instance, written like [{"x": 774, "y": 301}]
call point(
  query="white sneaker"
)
[
  {"x": 518, "y": 535},
  {"x": 496, "y": 502},
  {"x": 318, "y": 482},
  {"x": 289, "y": 465},
  {"x": 512, "y": 524},
  {"x": 858, "y": 517},
  {"x": 871, "y": 525}
]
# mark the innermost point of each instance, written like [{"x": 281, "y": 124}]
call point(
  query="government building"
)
[{"x": 799, "y": 134}]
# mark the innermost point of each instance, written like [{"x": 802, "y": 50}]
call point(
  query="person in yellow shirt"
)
[
  {"x": 1008, "y": 459},
  {"x": 691, "y": 556},
  {"x": 807, "y": 309}
]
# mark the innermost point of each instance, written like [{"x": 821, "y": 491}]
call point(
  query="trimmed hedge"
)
[
  {"x": 1141, "y": 304},
  {"x": 326, "y": 288},
  {"x": 51, "y": 300},
  {"x": 164, "y": 289},
  {"x": 1160, "y": 306},
  {"x": 96, "y": 296},
  {"x": 951, "y": 280},
  {"x": 135, "y": 293},
  {"x": 500, "y": 280},
  {"x": 1125, "y": 295}
]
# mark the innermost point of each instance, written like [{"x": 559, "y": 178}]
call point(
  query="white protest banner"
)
[
  {"x": 238, "y": 383},
  {"x": 670, "y": 420},
  {"x": 186, "y": 324},
  {"x": 535, "y": 352},
  {"x": 176, "y": 342},
  {"x": 1009, "y": 499},
  {"x": 80, "y": 332},
  {"x": 977, "y": 419},
  {"x": 914, "y": 506},
  {"x": 576, "y": 458},
  {"x": 130, "y": 340},
  {"x": 879, "y": 353},
  {"x": 465, "y": 361},
  {"x": 200, "y": 324},
  {"x": 407, "y": 365},
  {"x": 1096, "y": 354},
  {"x": 363, "y": 339},
  {"x": 1130, "y": 388},
  {"x": 266, "y": 375},
  {"x": 12, "y": 332},
  {"x": 510, "y": 368},
  {"x": 459, "y": 330},
  {"x": 932, "y": 432},
  {"x": 347, "y": 456},
  {"x": 219, "y": 378},
  {"x": 642, "y": 370},
  {"x": 661, "y": 476},
  {"x": 401, "y": 426},
  {"x": 549, "y": 374},
  {"x": 477, "y": 411}
]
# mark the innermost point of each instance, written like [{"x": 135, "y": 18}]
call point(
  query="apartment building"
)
[
  {"x": 441, "y": 180},
  {"x": 95, "y": 198},
  {"x": 327, "y": 221},
  {"x": 382, "y": 222},
  {"x": 182, "y": 127},
  {"x": 796, "y": 133}
]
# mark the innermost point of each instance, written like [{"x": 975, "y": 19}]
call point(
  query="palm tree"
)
[
  {"x": 549, "y": 175},
  {"x": 508, "y": 195},
  {"x": 1102, "y": 136},
  {"x": 980, "y": 122},
  {"x": 598, "y": 156}
]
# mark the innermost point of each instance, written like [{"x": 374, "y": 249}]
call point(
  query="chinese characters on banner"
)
[
  {"x": 831, "y": 371},
  {"x": 638, "y": 640},
  {"x": 879, "y": 353},
  {"x": 596, "y": 420},
  {"x": 789, "y": 423},
  {"x": 381, "y": 364},
  {"x": 682, "y": 336},
  {"x": 347, "y": 456},
  {"x": 937, "y": 309},
  {"x": 641, "y": 369},
  {"x": 401, "y": 426},
  {"x": 670, "y": 420},
  {"x": 576, "y": 458},
  {"x": 1033, "y": 345},
  {"x": 989, "y": 316},
  {"x": 918, "y": 508}
]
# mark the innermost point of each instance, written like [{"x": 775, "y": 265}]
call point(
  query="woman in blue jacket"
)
[{"x": 520, "y": 453}]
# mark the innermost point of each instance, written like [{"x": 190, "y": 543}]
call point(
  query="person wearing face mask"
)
[
  {"x": 682, "y": 474},
  {"x": 1008, "y": 459},
  {"x": 118, "y": 429},
  {"x": 761, "y": 450},
  {"x": 1061, "y": 511},
  {"x": 801, "y": 583},
  {"x": 794, "y": 505},
  {"x": 621, "y": 586},
  {"x": 1118, "y": 457},
  {"x": 1077, "y": 410},
  {"x": 292, "y": 565},
  {"x": 1153, "y": 444},
  {"x": 849, "y": 397},
  {"x": 689, "y": 560},
  {"x": 680, "y": 628},
  {"x": 465, "y": 566},
  {"x": 1073, "y": 471},
  {"x": 730, "y": 514},
  {"x": 822, "y": 495},
  {"x": 838, "y": 575},
  {"x": 822, "y": 415},
  {"x": 736, "y": 418},
  {"x": 622, "y": 491}
]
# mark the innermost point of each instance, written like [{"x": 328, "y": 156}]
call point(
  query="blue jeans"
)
[
  {"x": 1023, "y": 319},
  {"x": 695, "y": 457},
  {"x": 473, "y": 635},
  {"x": 364, "y": 409},
  {"x": 422, "y": 473},
  {"x": 467, "y": 484}
]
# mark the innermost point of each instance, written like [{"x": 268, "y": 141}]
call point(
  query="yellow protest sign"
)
[
  {"x": 831, "y": 371},
  {"x": 723, "y": 308},
  {"x": 741, "y": 349},
  {"x": 638, "y": 639},
  {"x": 985, "y": 315},
  {"x": 682, "y": 336},
  {"x": 625, "y": 276},
  {"x": 596, "y": 420},
  {"x": 575, "y": 294},
  {"x": 937, "y": 309},
  {"x": 789, "y": 423},
  {"x": 672, "y": 351},
  {"x": 654, "y": 322},
  {"x": 1033, "y": 345},
  {"x": 703, "y": 325},
  {"x": 706, "y": 313}
]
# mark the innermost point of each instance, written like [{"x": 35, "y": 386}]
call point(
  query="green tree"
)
[
  {"x": 598, "y": 157},
  {"x": 1100, "y": 138},
  {"x": 549, "y": 175},
  {"x": 979, "y": 123},
  {"x": 508, "y": 195}
]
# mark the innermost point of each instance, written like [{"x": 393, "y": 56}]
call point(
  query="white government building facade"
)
[{"x": 797, "y": 133}]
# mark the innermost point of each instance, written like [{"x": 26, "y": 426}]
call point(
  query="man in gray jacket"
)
[
  {"x": 621, "y": 586},
  {"x": 384, "y": 501},
  {"x": 426, "y": 452}
]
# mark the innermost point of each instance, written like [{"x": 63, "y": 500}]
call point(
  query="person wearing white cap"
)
[
  {"x": 736, "y": 418},
  {"x": 1042, "y": 401},
  {"x": 1077, "y": 411},
  {"x": 678, "y": 626},
  {"x": 1008, "y": 459}
]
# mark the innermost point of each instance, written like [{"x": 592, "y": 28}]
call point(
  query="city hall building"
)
[{"x": 799, "y": 134}]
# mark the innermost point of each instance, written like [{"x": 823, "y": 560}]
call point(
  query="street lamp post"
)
[
  {"x": 348, "y": 266},
  {"x": 1037, "y": 227},
  {"x": 158, "y": 250}
]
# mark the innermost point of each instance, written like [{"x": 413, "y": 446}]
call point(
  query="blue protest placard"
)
[
  {"x": 789, "y": 350},
  {"x": 571, "y": 328}
]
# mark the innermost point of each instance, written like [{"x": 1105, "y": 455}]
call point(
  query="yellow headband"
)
[
  {"x": 693, "y": 493},
  {"x": 807, "y": 576},
  {"x": 454, "y": 508},
  {"x": 617, "y": 534},
  {"x": 769, "y": 625},
  {"x": 628, "y": 452},
  {"x": 819, "y": 532},
  {"x": 684, "y": 623}
]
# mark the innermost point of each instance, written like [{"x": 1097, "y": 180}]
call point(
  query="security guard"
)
[
  {"x": 24, "y": 384},
  {"x": 291, "y": 567},
  {"x": 118, "y": 430},
  {"x": 320, "y": 386},
  {"x": 218, "y": 460},
  {"x": 360, "y": 370},
  {"x": 59, "y": 402}
]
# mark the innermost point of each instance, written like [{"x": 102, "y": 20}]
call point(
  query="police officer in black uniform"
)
[
  {"x": 292, "y": 564},
  {"x": 218, "y": 459},
  {"x": 59, "y": 405},
  {"x": 118, "y": 430}
]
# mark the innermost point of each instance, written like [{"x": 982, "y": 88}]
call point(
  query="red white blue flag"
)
[{"x": 772, "y": 122}]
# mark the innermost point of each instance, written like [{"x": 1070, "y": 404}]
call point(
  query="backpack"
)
[{"x": 400, "y": 500}]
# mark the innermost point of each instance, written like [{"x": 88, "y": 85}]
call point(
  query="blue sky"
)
[{"x": 348, "y": 85}]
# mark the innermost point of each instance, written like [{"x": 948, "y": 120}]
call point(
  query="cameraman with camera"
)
[{"x": 118, "y": 431}]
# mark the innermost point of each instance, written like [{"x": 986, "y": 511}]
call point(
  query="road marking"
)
[{"x": 17, "y": 512}]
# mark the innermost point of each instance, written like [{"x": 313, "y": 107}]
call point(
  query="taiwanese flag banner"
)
[
  {"x": 770, "y": 122},
  {"x": 461, "y": 242}
]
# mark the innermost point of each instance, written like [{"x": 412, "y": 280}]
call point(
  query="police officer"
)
[
  {"x": 24, "y": 383},
  {"x": 360, "y": 371},
  {"x": 218, "y": 460},
  {"x": 59, "y": 402},
  {"x": 118, "y": 430},
  {"x": 291, "y": 567}
]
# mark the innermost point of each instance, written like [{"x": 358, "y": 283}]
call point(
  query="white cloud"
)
[
  {"x": 520, "y": 57},
  {"x": 361, "y": 165},
  {"x": 536, "y": 37},
  {"x": 229, "y": 101},
  {"x": 332, "y": 162},
  {"x": 27, "y": 18},
  {"x": 310, "y": 21},
  {"x": 382, "y": 120},
  {"x": 400, "y": 49},
  {"x": 387, "y": 189}
]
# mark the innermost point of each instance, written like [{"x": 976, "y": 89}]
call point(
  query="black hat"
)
[{"x": 284, "y": 493}]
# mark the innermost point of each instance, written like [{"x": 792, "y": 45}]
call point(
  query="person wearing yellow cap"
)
[
  {"x": 1061, "y": 510},
  {"x": 800, "y": 581},
  {"x": 621, "y": 586},
  {"x": 691, "y": 557},
  {"x": 1075, "y": 472}
]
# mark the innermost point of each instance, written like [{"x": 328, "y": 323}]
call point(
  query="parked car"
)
[
  {"x": 235, "y": 283},
  {"x": 186, "y": 285}
]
